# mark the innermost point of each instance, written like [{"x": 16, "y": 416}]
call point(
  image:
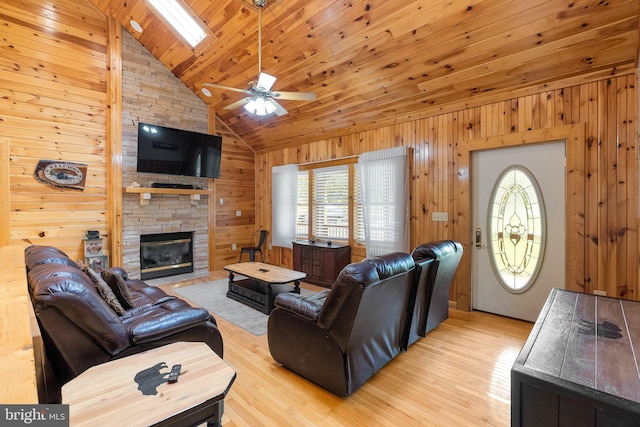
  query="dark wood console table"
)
[
  {"x": 579, "y": 366},
  {"x": 321, "y": 262}
]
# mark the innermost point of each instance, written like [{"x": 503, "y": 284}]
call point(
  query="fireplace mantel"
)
[{"x": 146, "y": 192}]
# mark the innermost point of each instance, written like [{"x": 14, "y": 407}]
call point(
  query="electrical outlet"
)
[
  {"x": 600, "y": 293},
  {"x": 440, "y": 216},
  {"x": 233, "y": 246},
  {"x": 238, "y": 213},
  {"x": 221, "y": 201}
]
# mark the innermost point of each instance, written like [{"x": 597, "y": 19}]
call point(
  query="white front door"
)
[{"x": 518, "y": 242}]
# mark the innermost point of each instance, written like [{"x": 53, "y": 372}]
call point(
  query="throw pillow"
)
[
  {"x": 119, "y": 287},
  {"x": 104, "y": 290}
]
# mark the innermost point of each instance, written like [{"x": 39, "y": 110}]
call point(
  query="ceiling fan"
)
[{"x": 262, "y": 100}]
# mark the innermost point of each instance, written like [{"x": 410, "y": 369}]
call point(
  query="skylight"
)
[{"x": 177, "y": 16}]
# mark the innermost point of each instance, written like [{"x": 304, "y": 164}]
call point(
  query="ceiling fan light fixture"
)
[{"x": 260, "y": 106}]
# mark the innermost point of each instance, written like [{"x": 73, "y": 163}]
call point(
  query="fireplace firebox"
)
[{"x": 165, "y": 254}]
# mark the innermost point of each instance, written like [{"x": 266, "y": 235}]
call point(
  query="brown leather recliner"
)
[
  {"x": 80, "y": 329},
  {"x": 417, "y": 309},
  {"x": 440, "y": 261},
  {"x": 340, "y": 337}
]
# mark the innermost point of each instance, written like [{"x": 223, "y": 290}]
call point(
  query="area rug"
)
[{"x": 213, "y": 297}]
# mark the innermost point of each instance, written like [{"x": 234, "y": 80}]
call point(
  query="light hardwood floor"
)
[{"x": 458, "y": 375}]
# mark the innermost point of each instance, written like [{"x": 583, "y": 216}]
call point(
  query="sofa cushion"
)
[
  {"x": 104, "y": 290},
  {"x": 119, "y": 287},
  {"x": 143, "y": 293}
]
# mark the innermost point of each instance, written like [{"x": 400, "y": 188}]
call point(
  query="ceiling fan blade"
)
[
  {"x": 280, "y": 111},
  {"x": 265, "y": 81},
  {"x": 237, "y": 104},
  {"x": 245, "y": 91},
  {"x": 295, "y": 96}
]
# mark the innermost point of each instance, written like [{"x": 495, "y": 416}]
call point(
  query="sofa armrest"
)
[
  {"x": 159, "y": 322},
  {"x": 307, "y": 307}
]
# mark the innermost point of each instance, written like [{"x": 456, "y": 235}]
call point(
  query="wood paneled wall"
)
[
  {"x": 603, "y": 202},
  {"x": 53, "y": 71},
  {"x": 236, "y": 189},
  {"x": 59, "y": 100}
]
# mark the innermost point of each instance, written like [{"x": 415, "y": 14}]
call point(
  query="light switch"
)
[
  {"x": 221, "y": 201},
  {"x": 233, "y": 246},
  {"x": 238, "y": 213},
  {"x": 440, "y": 216}
]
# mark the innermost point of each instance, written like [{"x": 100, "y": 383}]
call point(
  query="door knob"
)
[{"x": 478, "y": 238}]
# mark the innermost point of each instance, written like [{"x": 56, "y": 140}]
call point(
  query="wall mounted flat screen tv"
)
[{"x": 178, "y": 152}]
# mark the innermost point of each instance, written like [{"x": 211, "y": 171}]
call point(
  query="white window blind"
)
[
  {"x": 385, "y": 199},
  {"x": 331, "y": 203},
  {"x": 284, "y": 182},
  {"x": 302, "y": 213}
]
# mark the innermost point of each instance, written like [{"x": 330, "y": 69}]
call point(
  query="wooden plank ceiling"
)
[{"x": 373, "y": 62}]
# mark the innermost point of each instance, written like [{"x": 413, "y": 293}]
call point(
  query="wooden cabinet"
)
[
  {"x": 321, "y": 262},
  {"x": 579, "y": 366}
]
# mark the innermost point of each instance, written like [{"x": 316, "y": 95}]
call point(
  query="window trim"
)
[{"x": 350, "y": 162}]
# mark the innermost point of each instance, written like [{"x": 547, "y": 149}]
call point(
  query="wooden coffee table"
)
[
  {"x": 121, "y": 392},
  {"x": 261, "y": 283}
]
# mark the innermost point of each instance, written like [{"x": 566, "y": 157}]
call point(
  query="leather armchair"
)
[
  {"x": 441, "y": 259},
  {"x": 342, "y": 336}
]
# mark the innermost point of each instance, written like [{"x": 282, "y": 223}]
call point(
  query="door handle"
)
[{"x": 478, "y": 238}]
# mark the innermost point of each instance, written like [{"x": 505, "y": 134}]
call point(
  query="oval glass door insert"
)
[{"x": 516, "y": 229}]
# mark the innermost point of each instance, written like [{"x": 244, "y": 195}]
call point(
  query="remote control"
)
[{"x": 175, "y": 371}]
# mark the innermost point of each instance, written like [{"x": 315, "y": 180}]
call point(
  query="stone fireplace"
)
[
  {"x": 165, "y": 254},
  {"x": 152, "y": 94}
]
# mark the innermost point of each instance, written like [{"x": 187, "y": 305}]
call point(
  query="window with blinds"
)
[
  {"x": 331, "y": 203},
  {"x": 302, "y": 211}
]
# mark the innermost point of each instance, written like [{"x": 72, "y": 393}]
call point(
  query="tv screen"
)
[{"x": 178, "y": 152}]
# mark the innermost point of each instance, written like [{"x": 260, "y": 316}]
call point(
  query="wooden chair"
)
[{"x": 253, "y": 250}]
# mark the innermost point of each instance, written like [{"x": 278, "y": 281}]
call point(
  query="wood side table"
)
[
  {"x": 579, "y": 366},
  {"x": 121, "y": 392}
]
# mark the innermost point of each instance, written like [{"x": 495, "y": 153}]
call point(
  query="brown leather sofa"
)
[
  {"x": 340, "y": 337},
  {"x": 437, "y": 263},
  {"x": 81, "y": 329}
]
